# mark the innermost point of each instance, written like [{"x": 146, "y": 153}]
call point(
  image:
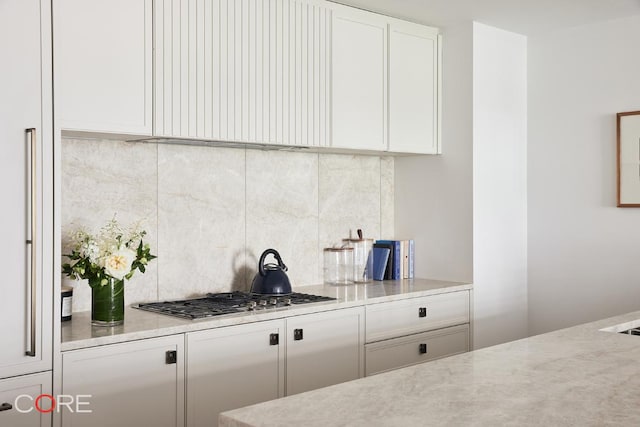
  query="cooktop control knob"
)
[
  {"x": 251, "y": 305},
  {"x": 263, "y": 302},
  {"x": 287, "y": 301},
  {"x": 273, "y": 301}
]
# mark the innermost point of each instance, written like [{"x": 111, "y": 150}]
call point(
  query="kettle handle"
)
[{"x": 264, "y": 255}]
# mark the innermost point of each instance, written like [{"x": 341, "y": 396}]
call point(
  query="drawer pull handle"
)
[
  {"x": 423, "y": 349},
  {"x": 5, "y": 407},
  {"x": 422, "y": 312},
  {"x": 274, "y": 339},
  {"x": 298, "y": 335},
  {"x": 171, "y": 357}
]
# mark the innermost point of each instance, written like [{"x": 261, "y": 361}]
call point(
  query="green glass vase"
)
[{"x": 107, "y": 304}]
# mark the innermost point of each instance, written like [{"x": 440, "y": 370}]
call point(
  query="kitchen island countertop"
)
[{"x": 576, "y": 376}]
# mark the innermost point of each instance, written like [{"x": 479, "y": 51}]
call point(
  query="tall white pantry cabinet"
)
[{"x": 26, "y": 218}]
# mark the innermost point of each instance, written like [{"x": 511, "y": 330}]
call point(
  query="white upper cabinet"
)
[
  {"x": 359, "y": 79},
  {"x": 385, "y": 83},
  {"x": 413, "y": 88},
  {"x": 102, "y": 65},
  {"x": 305, "y": 73},
  {"x": 242, "y": 70}
]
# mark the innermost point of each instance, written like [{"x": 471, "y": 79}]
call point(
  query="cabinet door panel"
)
[
  {"x": 21, "y": 393},
  {"x": 232, "y": 367},
  {"x": 245, "y": 70},
  {"x": 129, "y": 384},
  {"x": 413, "y": 88},
  {"x": 405, "y": 351},
  {"x": 25, "y": 105},
  {"x": 102, "y": 57},
  {"x": 359, "y": 79},
  {"x": 326, "y": 349}
]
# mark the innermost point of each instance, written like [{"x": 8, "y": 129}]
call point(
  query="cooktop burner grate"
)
[{"x": 228, "y": 303}]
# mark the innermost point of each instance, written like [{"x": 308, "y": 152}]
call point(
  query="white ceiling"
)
[{"x": 528, "y": 17}]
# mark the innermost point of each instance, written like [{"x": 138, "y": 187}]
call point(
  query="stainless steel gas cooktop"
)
[{"x": 227, "y": 303}]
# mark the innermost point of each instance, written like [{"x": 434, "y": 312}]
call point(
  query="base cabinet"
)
[
  {"x": 191, "y": 378},
  {"x": 324, "y": 349},
  {"x": 18, "y": 397},
  {"x": 415, "y": 330},
  {"x": 236, "y": 366},
  {"x": 232, "y": 367},
  {"x": 139, "y": 383}
]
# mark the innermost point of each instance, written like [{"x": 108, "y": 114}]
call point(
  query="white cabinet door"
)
[
  {"x": 232, "y": 367},
  {"x": 243, "y": 70},
  {"x": 130, "y": 384},
  {"x": 18, "y": 401},
  {"x": 358, "y": 79},
  {"x": 25, "y": 134},
  {"x": 324, "y": 349},
  {"x": 102, "y": 65},
  {"x": 418, "y": 348},
  {"x": 413, "y": 88}
]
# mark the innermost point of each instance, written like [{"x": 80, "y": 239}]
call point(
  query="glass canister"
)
[
  {"x": 338, "y": 266},
  {"x": 362, "y": 259}
]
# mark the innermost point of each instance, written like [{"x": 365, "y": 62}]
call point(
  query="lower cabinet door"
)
[
  {"x": 138, "y": 383},
  {"x": 324, "y": 349},
  {"x": 232, "y": 367},
  {"x": 413, "y": 349},
  {"x": 22, "y": 403}
]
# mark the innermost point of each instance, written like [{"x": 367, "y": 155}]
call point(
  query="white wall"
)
[
  {"x": 584, "y": 258},
  {"x": 433, "y": 194},
  {"x": 499, "y": 185}
]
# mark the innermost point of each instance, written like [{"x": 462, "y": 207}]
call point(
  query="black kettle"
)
[{"x": 271, "y": 278}]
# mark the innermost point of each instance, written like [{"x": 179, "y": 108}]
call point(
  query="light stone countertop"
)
[
  {"x": 78, "y": 333},
  {"x": 580, "y": 376}
]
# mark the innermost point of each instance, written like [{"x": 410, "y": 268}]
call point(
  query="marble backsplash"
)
[{"x": 210, "y": 212}]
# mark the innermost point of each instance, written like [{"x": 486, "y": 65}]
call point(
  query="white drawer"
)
[
  {"x": 405, "y": 317},
  {"x": 405, "y": 351},
  {"x": 18, "y": 395}
]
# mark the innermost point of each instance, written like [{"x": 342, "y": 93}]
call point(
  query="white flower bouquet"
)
[{"x": 113, "y": 253}]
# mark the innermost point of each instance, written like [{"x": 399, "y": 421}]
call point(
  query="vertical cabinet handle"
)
[
  {"x": 5, "y": 407},
  {"x": 31, "y": 238},
  {"x": 297, "y": 334},
  {"x": 422, "y": 312},
  {"x": 423, "y": 349}
]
